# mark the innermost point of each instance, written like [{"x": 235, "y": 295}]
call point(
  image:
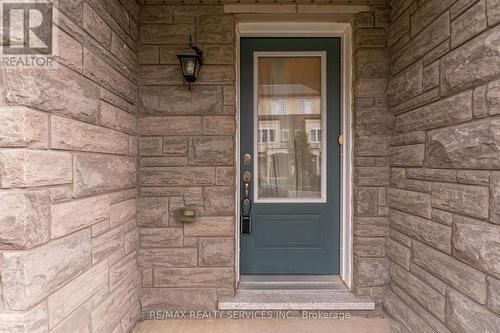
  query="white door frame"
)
[{"x": 308, "y": 29}]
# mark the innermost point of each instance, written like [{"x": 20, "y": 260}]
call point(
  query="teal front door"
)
[{"x": 290, "y": 156}]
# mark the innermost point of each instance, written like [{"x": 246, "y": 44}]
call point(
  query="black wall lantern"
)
[{"x": 191, "y": 60}]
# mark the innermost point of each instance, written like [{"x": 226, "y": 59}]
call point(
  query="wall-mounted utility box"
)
[{"x": 186, "y": 215}]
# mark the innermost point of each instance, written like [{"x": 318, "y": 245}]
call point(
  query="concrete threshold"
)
[{"x": 294, "y": 293}]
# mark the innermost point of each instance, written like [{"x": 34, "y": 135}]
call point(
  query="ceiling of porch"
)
[{"x": 287, "y": 2}]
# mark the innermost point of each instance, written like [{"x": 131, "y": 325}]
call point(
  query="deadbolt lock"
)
[
  {"x": 247, "y": 177},
  {"x": 247, "y": 158}
]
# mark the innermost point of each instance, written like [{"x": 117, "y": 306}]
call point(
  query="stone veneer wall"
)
[
  {"x": 444, "y": 198},
  {"x": 68, "y": 236},
  {"x": 372, "y": 127},
  {"x": 187, "y": 152}
]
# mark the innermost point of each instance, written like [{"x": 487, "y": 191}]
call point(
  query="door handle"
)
[{"x": 247, "y": 177}]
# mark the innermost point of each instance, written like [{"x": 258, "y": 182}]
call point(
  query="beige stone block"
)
[
  {"x": 398, "y": 253},
  {"x": 215, "y": 29},
  {"x": 433, "y": 35},
  {"x": 420, "y": 291},
  {"x": 50, "y": 265},
  {"x": 107, "y": 243},
  {"x": 35, "y": 320},
  {"x": 182, "y": 299},
  {"x": 421, "y": 311},
  {"x": 404, "y": 314},
  {"x": 152, "y": 75},
  {"x": 77, "y": 322},
  {"x": 32, "y": 168},
  {"x": 103, "y": 73},
  {"x": 177, "y": 100},
  {"x": 366, "y": 201},
  {"x": 24, "y": 219},
  {"x": 94, "y": 174},
  {"x": 370, "y": 87},
  {"x": 409, "y": 201},
  {"x": 96, "y": 26},
  {"x": 439, "y": 175},
  {"x": 175, "y": 125},
  {"x": 168, "y": 53},
  {"x": 148, "y": 54},
  {"x": 373, "y": 121},
  {"x": 65, "y": 300},
  {"x": 166, "y": 33},
  {"x": 60, "y": 194},
  {"x": 219, "y": 125},
  {"x": 108, "y": 314},
  {"x": 427, "y": 13},
  {"x": 398, "y": 28},
  {"x": 194, "y": 277},
  {"x": 464, "y": 67},
  {"x": 371, "y": 63},
  {"x": 465, "y": 278},
  {"x": 427, "y": 231},
  {"x": 477, "y": 243},
  {"x": 23, "y": 127},
  {"x": 463, "y": 314},
  {"x": 466, "y": 199},
  {"x": 122, "y": 212},
  {"x": 216, "y": 74},
  {"x": 229, "y": 95},
  {"x": 150, "y": 146},
  {"x": 369, "y": 246},
  {"x": 493, "y": 294},
  {"x": 415, "y": 102},
  {"x": 469, "y": 24},
  {"x": 161, "y": 237},
  {"x": 132, "y": 240},
  {"x": 473, "y": 177},
  {"x": 216, "y": 252},
  {"x": 219, "y": 200},
  {"x": 167, "y": 257},
  {"x": 60, "y": 91},
  {"x": 224, "y": 175},
  {"x": 210, "y": 226},
  {"x": 218, "y": 54},
  {"x": 411, "y": 155},
  {"x": 370, "y": 271},
  {"x": 177, "y": 176},
  {"x": 405, "y": 85},
  {"x": 74, "y": 215},
  {"x": 119, "y": 271},
  {"x": 446, "y": 112},
  {"x": 371, "y": 176},
  {"x": 74, "y": 135},
  {"x": 493, "y": 8},
  {"x": 375, "y": 145},
  {"x": 371, "y": 226},
  {"x": 153, "y": 212},
  {"x": 217, "y": 150},
  {"x": 156, "y": 14},
  {"x": 430, "y": 76},
  {"x": 369, "y": 38},
  {"x": 451, "y": 148}
]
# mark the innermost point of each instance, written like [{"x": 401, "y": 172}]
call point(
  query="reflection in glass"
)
[{"x": 289, "y": 131}]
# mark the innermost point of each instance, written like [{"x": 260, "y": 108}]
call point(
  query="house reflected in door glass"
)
[{"x": 289, "y": 131}]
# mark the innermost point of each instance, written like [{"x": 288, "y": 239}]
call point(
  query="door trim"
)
[{"x": 308, "y": 29}]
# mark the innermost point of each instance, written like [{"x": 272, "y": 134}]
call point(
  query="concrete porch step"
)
[
  {"x": 295, "y": 300},
  {"x": 291, "y": 282}
]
